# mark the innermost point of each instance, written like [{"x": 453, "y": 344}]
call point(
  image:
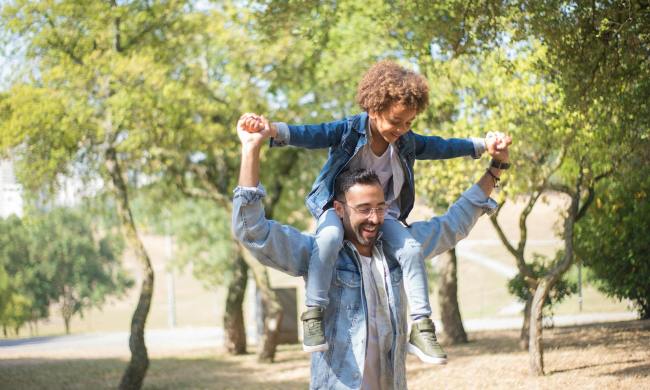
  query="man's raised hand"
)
[
  {"x": 497, "y": 144},
  {"x": 253, "y": 129}
]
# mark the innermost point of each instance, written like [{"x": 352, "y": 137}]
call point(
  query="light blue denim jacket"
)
[
  {"x": 286, "y": 249},
  {"x": 346, "y": 137}
]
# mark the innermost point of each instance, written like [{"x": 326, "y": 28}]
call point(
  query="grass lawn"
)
[{"x": 601, "y": 356}]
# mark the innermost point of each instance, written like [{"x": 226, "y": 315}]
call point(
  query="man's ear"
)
[{"x": 338, "y": 207}]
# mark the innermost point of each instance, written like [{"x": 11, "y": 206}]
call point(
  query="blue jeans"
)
[{"x": 398, "y": 242}]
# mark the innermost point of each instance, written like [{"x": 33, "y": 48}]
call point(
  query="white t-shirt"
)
[
  {"x": 379, "y": 326},
  {"x": 389, "y": 170}
]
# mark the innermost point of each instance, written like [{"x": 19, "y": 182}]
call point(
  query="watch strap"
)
[{"x": 499, "y": 165}]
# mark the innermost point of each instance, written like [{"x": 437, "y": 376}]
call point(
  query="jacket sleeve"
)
[
  {"x": 438, "y": 148},
  {"x": 275, "y": 245},
  {"x": 439, "y": 234},
  {"x": 323, "y": 135}
]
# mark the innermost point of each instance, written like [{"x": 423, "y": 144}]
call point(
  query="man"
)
[{"x": 365, "y": 322}]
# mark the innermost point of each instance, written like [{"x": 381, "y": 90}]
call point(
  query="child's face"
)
[{"x": 393, "y": 122}]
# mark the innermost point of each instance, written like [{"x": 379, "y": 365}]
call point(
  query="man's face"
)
[
  {"x": 362, "y": 230},
  {"x": 393, "y": 122}
]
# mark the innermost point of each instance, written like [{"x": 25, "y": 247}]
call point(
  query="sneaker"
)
[
  {"x": 423, "y": 343},
  {"x": 313, "y": 338}
]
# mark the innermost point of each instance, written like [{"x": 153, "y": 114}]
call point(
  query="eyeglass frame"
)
[{"x": 380, "y": 211}]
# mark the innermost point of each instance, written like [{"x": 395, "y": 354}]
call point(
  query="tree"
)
[
  {"x": 613, "y": 242},
  {"x": 202, "y": 240},
  {"x": 23, "y": 288},
  {"x": 81, "y": 270},
  {"x": 109, "y": 84}
]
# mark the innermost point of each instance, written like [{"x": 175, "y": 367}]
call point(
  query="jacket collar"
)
[{"x": 363, "y": 123}]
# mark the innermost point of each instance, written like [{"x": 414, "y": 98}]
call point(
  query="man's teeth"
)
[{"x": 370, "y": 229}]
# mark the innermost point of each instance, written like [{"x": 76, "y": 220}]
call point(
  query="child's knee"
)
[
  {"x": 330, "y": 236},
  {"x": 410, "y": 250}
]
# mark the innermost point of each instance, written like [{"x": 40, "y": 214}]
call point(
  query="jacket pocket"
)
[{"x": 348, "y": 278}]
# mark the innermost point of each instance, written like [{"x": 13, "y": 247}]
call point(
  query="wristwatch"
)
[{"x": 499, "y": 165}]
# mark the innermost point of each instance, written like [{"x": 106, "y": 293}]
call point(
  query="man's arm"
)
[
  {"x": 442, "y": 233},
  {"x": 272, "y": 244}
]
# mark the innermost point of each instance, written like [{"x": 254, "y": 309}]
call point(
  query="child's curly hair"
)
[{"x": 386, "y": 83}]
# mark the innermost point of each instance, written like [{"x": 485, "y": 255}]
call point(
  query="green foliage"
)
[
  {"x": 497, "y": 90},
  {"x": 23, "y": 285},
  {"x": 56, "y": 257},
  {"x": 518, "y": 287},
  {"x": 82, "y": 269},
  {"x": 613, "y": 241},
  {"x": 201, "y": 232}
]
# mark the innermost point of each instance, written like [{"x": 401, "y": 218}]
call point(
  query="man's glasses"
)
[{"x": 367, "y": 211}]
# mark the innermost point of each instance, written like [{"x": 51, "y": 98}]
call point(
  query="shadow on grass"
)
[
  {"x": 642, "y": 370},
  {"x": 191, "y": 372},
  {"x": 611, "y": 335},
  {"x": 586, "y": 366},
  {"x": 487, "y": 343}
]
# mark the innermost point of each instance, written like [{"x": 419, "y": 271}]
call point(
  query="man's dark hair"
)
[{"x": 347, "y": 179}]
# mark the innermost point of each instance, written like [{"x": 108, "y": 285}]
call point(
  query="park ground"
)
[
  {"x": 598, "y": 356},
  {"x": 590, "y": 356}
]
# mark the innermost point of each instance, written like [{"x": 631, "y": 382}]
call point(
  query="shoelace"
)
[
  {"x": 428, "y": 335},
  {"x": 314, "y": 326}
]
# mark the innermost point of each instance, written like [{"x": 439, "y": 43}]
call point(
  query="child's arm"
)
[
  {"x": 438, "y": 148},
  {"x": 316, "y": 136}
]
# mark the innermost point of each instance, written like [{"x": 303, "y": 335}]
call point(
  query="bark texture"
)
[
  {"x": 453, "y": 330},
  {"x": 268, "y": 342},
  {"x": 136, "y": 370},
  {"x": 233, "y": 318}
]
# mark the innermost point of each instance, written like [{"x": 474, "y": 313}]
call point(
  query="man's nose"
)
[{"x": 375, "y": 218}]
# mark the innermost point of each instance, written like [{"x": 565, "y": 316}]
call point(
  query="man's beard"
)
[{"x": 366, "y": 241}]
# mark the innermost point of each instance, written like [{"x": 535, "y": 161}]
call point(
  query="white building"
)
[{"x": 11, "y": 199}]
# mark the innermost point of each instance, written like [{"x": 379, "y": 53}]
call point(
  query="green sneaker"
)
[
  {"x": 423, "y": 343},
  {"x": 313, "y": 338}
]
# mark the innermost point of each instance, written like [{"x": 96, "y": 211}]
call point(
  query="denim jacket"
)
[
  {"x": 285, "y": 248},
  {"x": 347, "y": 136}
]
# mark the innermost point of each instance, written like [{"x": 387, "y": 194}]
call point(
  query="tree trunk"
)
[
  {"x": 525, "y": 329},
  {"x": 67, "y": 308},
  {"x": 536, "y": 349},
  {"x": 233, "y": 318},
  {"x": 136, "y": 370},
  {"x": 268, "y": 343},
  {"x": 453, "y": 330},
  {"x": 66, "y": 322}
]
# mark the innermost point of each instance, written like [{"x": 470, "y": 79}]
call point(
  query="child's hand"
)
[
  {"x": 254, "y": 123},
  {"x": 496, "y": 143},
  {"x": 251, "y": 130},
  {"x": 251, "y": 123}
]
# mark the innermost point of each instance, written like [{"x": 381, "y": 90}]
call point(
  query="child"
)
[{"x": 378, "y": 139}]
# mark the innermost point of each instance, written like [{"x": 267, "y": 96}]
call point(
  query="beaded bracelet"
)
[{"x": 495, "y": 178}]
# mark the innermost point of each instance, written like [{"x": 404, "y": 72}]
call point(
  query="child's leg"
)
[
  {"x": 329, "y": 241},
  {"x": 408, "y": 253}
]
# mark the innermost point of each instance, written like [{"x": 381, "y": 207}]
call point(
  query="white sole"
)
[
  {"x": 412, "y": 349},
  {"x": 315, "y": 348}
]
